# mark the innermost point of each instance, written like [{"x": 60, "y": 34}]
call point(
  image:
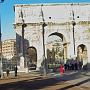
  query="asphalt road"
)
[{"x": 70, "y": 81}]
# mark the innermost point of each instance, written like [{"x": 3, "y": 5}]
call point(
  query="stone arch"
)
[
  {"x": 32, "y": 56},
  {"x": 63, "y": 32},
  {"x": 82, "y": 53},
  {"x": 62, "y": 49},
  {"x": 58, "y": 34}
]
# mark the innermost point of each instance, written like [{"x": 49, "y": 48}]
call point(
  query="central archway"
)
[{"x": 56, "y": 48}]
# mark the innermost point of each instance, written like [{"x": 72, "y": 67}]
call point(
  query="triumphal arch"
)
[{"x": 53, "y": 32}]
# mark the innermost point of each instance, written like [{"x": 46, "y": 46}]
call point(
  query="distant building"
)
[{"x": 9, "y": 48}]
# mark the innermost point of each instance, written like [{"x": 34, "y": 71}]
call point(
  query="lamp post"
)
[
  {"x": 1, "y": 69},
  {"x": 43, "y": 33}
]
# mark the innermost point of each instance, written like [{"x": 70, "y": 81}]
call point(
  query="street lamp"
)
[
  {"x": 1, "y": 69},
  {"x": 43, "y": 32}
]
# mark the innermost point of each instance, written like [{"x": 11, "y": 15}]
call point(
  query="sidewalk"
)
[{"x": 21, "y": 76}]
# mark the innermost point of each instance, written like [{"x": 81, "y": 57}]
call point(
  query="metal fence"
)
[{"x": 9, "y": 64}]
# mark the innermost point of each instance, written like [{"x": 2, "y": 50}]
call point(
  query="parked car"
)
[{"x": 32, "y": 67}]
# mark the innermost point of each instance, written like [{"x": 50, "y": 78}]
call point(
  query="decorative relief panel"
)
[{"x": 82, "y": 36}]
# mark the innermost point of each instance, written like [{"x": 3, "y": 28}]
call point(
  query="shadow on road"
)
[
  {"x": 77, "y": 84},
  {"x": 77, "y": 75},
  {"x": 42, "y": 82},
  {"x": 31, "y": 84}
]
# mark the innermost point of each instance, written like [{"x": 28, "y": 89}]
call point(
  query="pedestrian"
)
[
  {"x": 61, "y": 70},
  {"x": 80, "y": 65},
  {"x": 41, "y": 70},
  {"x": 7, "y": 71},
  {"x": 15, "y": 71}
]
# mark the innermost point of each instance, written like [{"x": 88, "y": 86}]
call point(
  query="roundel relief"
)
[{"x": 35, "y": 37}]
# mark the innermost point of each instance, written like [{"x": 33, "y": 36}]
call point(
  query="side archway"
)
[
  {"x": 32, "y": 57},
  {"x": 82, "y": 54}
]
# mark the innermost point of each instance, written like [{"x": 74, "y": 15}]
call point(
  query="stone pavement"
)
[{"x": 71, "y": 80}]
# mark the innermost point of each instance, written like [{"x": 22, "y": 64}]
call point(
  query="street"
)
[{"x": 71, "y": 80}]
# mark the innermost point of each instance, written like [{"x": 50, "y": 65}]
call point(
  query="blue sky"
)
[{"x": 7, "y": 13}]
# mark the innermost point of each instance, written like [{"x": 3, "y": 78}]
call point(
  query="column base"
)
[{"x": 21, "y": 68}]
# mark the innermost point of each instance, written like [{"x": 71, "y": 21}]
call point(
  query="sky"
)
[{"x": 7, "y": 13}]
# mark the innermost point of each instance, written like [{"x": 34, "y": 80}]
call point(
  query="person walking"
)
[
  {"x": 61, "y": 70},
  {"x": 16, "y": 71},
  {"x": 7, "y": 71}
]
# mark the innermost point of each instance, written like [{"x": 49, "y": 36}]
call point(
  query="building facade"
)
[
  {"x": 70, "y": 22},
  {"x": 8, "y": 48}
]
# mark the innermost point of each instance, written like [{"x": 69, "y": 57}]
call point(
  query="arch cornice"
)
[{"x": 39, "y": 24}]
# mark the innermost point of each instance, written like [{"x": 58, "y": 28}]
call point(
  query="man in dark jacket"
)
[{"x": 16, "y": 71}]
